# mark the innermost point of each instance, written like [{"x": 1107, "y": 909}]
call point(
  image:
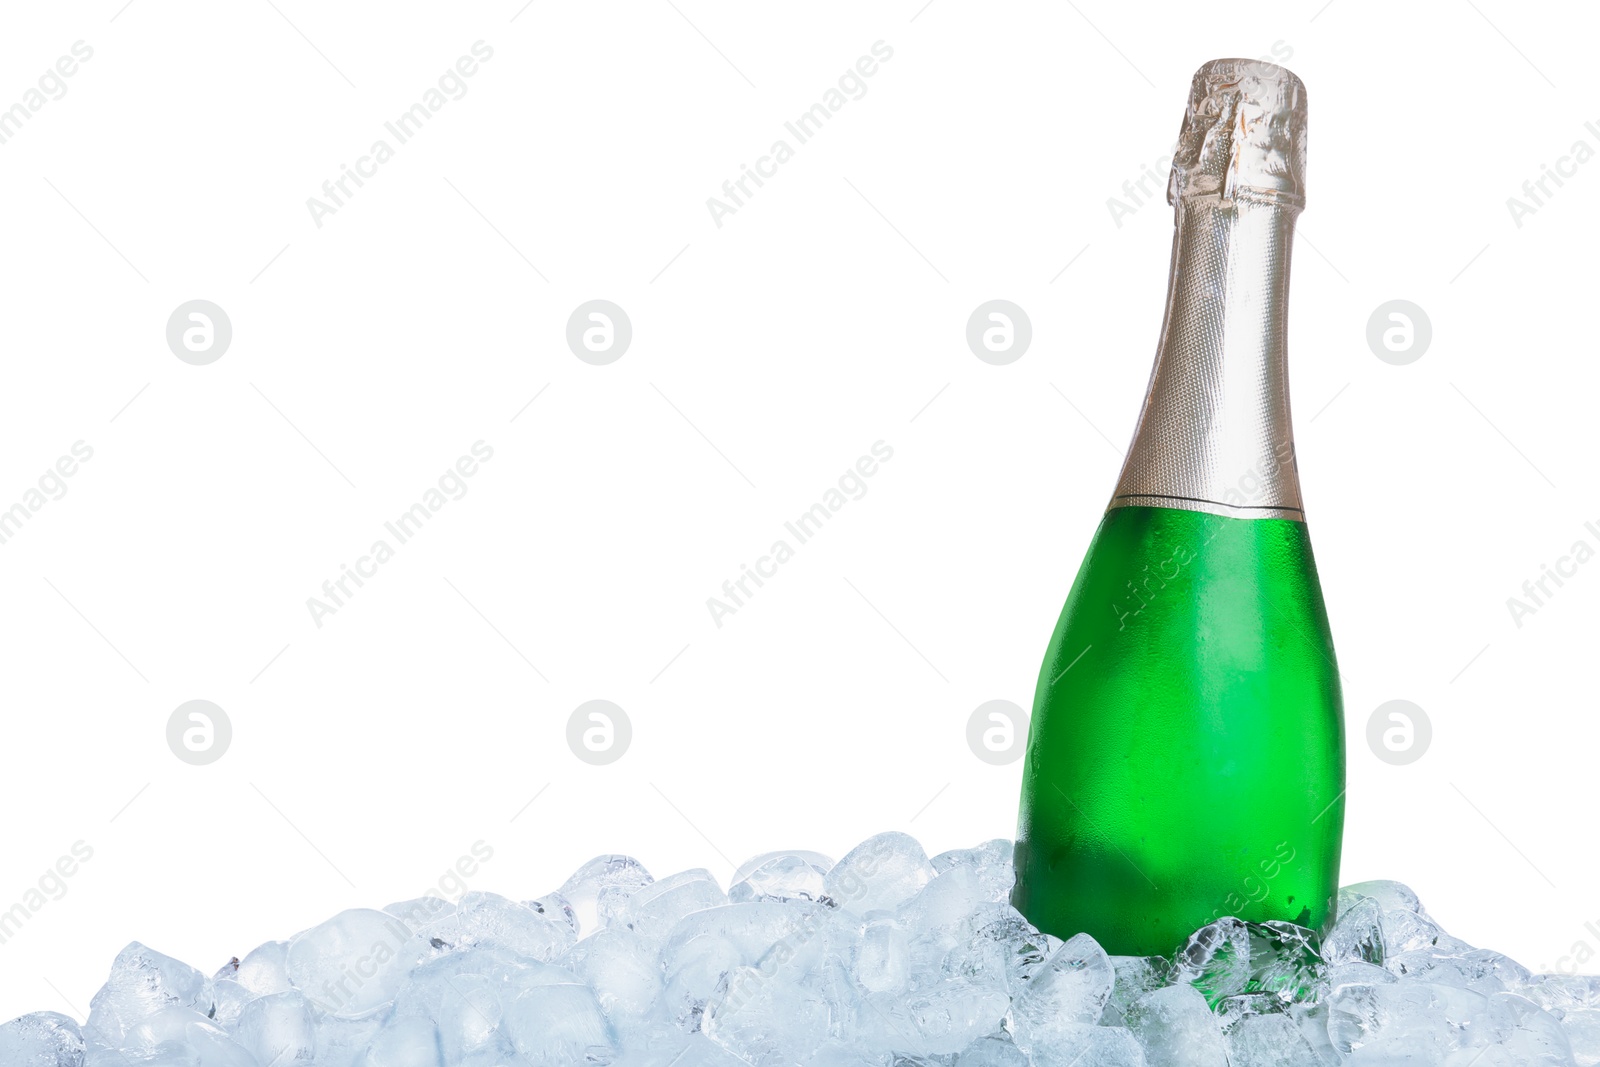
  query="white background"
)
[{"x": 768, "y": 354}]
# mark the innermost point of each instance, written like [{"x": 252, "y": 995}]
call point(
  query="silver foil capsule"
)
[{"x": 1215, "y": 433}]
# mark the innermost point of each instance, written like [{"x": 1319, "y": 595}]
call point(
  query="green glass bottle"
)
[{"x": 1186, "y": 754}]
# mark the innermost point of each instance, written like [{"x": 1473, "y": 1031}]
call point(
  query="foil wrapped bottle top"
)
[{"x": 1243, "y": 135}]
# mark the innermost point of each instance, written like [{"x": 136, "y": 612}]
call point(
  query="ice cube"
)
[
  {"x": 277, "y": 1029},
  {"x": 698, "y": 1051},
  {"x": 420, "y": 911},
  {"x": 945, "y": 901},
  {"x": 1284, "y": 960},
  {"x": 616, "y": 876},
  {"x": 880, "y": 959},
  {"x": 405, "y": 1041},
  {"x": 992, "y": 1052},
  {"x": 553, "y": 1025},
  {"x": 1354, "y": 974},
  {"x": 168, "y": 1026},
  {"x": 464, "y": 1006},
  {"x": 488, "y": 919},
  {"x": 996, "y": 940},
  {"x": 621, "y": 969},
  {"x": 1582, "y": 1027},
  {"x": 227, "y": 999},
  {"x": 1564, "y": 991},
  {"x": 352, "y": 963},
  {"x": 264, "y": 969},
  {"x": 991, "y": 861},
  {"x": 1084, "y": 1045},
  {"x": 766, "y": 1021},
  {"x": 1406, "y": 925},
  {"x": 1527, "y": 1033},
  {"x": 43, "y": 1039},
  {"x": 653, "y": 910},
  {"x": 946, "y": 958},
  {"x": 1215, "y": 959},
  {"x": 1357, "y": 936},
  {"x": 554, "y": 906},
  {"x": 1472, "y": 968},
  {"x": 1390, "y": 896},
  {"x": 695, "y": 971},
  {"x": 187, "y": 1035},
  {"x": 212, "y": 1047},
  {"x": 342, "y": 1041},
  {"x": 1268, "y": 1041},
  {"x": 780, "y": 876},
  {"x": 1410, "y": 1018},
  {"x": 1176, "y": 1028},
  {"x": 1311, "y": 1017},
  {"x": 946, "y": 1017},
  {"x": 464, "y": 994},
  {"x": 880, "y": 874},
  {"x": 1135, "y": 976},
  {"x": 143, "y": 982},
  {"x": 756, "y": 927},
  {"x": 1073, "y": 986}
]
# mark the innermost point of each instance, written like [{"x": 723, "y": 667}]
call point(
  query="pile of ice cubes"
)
[{"x": 884, "y": 959}]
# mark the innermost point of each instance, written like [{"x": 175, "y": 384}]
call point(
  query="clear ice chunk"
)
[
  {"x": 556, "y": 908},
  {"x": 946, "y": 900},
  {"x": 552, "y": 1025},
  {"x": 940, "y": 1020},
  {"x": 463, "y": 1005},
  {"x": 992, "y": 1052},
  {"x": 405, "y": 1041},
  {"x": 1083, "y": 1045},
  {"x": 43, "y": 1039},
  {"x": 615, "y": 877},
  {"x": 881, "y": 957},
  {"x": 491, "y": 920},
  {"x": 1564, "y": 991},
  {"x": 996, "y": 939},
  {"x": 1175, "y": 1027},
  {"x": 1284, "y": 961},
  {"x": 1215, "y": 959},
  {"x": 780, "y": 876},
  {"x": 1135, "y": 976},
  {"x": 619, "y": 967},
  {"x": 1582, "y": 1027},
  {"x": 277, "y": 1029},
  {"x": 767, "y": 1021},
  {"x": 1269, "y": 1040},
  {"x": 343, "y": 1042},
  {"x": 143, "y": 982},
  {"x": 991, "y": 861},
  {"x": 1405, "y": 924},
  {"x": 1357, "y": 936},
  {"x": 653, "y": 910},
  {"x": 420, "y": 911},
  {"x": 880, "y": 874},
  {"x": 695, "y": 972},
  {"x": 352, "y": 963},
  {"x": 228, "y": 999},
  {"x": 264, "y": 969},
  {"x": 1072, "y": 987}
]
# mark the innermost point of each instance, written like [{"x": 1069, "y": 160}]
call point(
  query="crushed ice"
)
[{"x": 884, "y": 959}]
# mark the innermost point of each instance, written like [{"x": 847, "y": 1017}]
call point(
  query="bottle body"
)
[{"x": 1186, "y": 754}]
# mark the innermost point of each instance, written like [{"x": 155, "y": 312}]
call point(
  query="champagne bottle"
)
[{"x": 1186, "y": 754}]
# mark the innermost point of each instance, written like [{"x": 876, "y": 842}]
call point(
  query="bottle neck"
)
[{"x": 1215, "y": 433}]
